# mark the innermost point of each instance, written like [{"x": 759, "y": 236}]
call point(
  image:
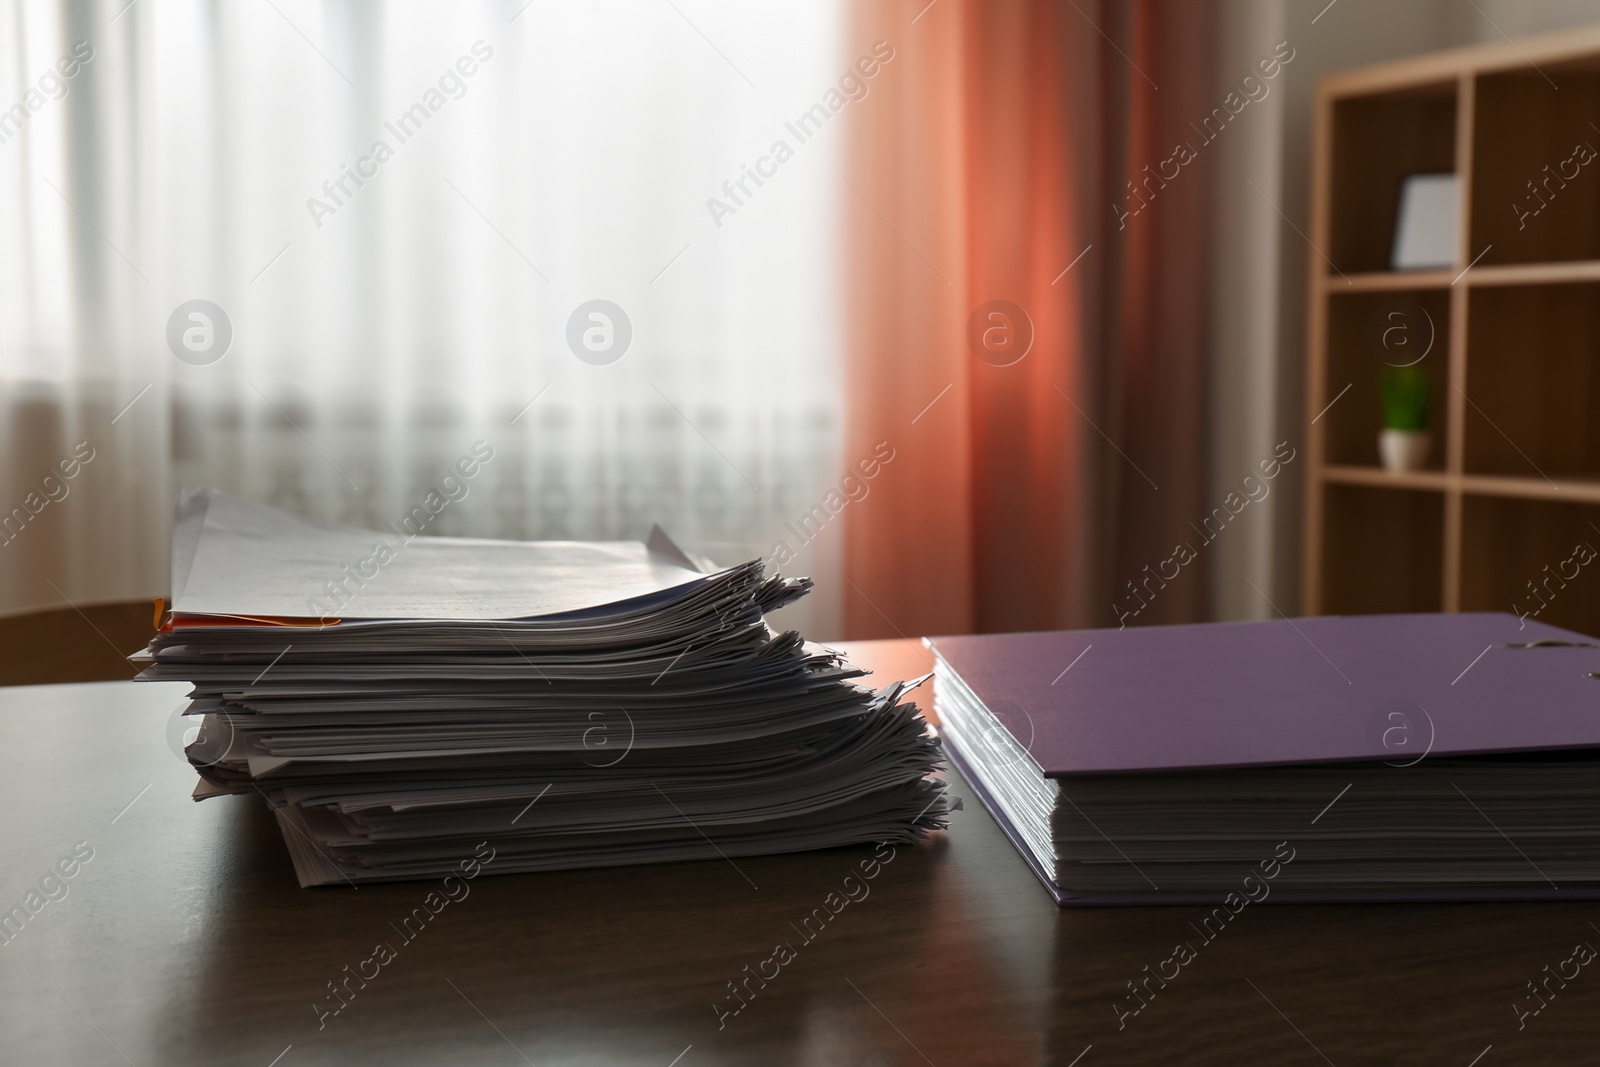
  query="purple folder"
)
[{"x": 1315, "y": 691}]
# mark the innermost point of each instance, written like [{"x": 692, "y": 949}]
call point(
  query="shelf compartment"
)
[
  {"x": 1365, "y": 331},
  {"x": 1535, "y": 488},
  {"x": 1533, "y": 381},
  {"x": 1389, "y": 281},
  {"x": 1586, "y": 491},
  {"x": 1377, "y": 477},
  {"x": 1383, "y": 550},
  {"x": 1377, "y": 141},
  {"x": 1521, "y": 556},
  {"x": 1581, "y": 270},
  {"x": 1521, "y": 126}
]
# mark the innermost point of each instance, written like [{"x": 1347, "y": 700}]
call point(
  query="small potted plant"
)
[{"x": 1407, "y": 398}]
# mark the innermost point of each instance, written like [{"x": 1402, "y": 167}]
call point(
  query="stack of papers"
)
[
  {"x": 401, "y": 700},
  {"x": 1383, "y": 757}
]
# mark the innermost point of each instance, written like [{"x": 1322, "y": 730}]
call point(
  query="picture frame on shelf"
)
[{"x": 1427, "y": 231}]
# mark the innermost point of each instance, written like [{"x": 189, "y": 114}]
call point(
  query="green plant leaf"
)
[{"x": 1407, "y": 396}]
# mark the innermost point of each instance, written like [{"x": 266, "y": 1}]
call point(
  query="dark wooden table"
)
[{"x": 185, "y": 940}]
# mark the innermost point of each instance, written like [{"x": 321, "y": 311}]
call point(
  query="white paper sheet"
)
[{"x": 236, "y": 557}]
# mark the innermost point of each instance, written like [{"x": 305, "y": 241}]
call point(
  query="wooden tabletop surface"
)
[{"x": 181, "y": 937}]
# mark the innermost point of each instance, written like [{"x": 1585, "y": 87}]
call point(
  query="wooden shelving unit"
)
[{"x": 1514, "y": 482}]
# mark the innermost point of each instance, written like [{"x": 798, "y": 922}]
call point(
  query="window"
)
[{"x": 397, "y": 216}]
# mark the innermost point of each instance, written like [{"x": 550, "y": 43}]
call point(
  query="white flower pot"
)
[{"x": 1404, "y": 450}]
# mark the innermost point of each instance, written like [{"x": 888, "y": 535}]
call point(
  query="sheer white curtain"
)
[{"x": 397, "y": 209}]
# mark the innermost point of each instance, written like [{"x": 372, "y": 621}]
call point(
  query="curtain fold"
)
[{"x": 1000, "y": 277}]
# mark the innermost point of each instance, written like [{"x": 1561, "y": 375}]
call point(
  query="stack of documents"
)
[
  {"x": 400, "y": 700},
  {"x": 1392, "y": 757}
]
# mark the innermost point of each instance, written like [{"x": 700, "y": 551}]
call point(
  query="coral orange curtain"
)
[{"x": 1032, "y": 352}]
